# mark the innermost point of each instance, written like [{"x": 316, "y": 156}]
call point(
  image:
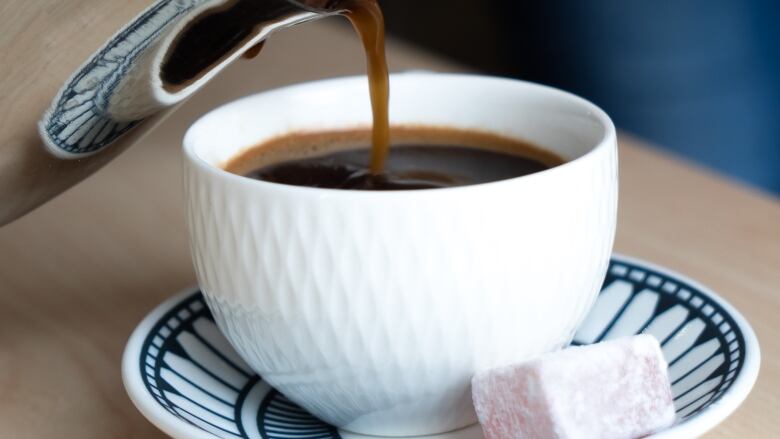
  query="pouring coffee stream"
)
[
  {"x": 366, "y": 17},
  {"x": 202, "y": 44},
  {"x": 138, "y": 76}
]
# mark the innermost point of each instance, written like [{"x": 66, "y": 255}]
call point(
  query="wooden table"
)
[{"x": 78, "y": 274}]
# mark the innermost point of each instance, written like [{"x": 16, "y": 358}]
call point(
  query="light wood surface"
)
[{"x": 78, "y": 274}]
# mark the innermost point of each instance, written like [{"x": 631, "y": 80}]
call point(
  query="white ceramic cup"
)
[{"x": 372, "y": 310}]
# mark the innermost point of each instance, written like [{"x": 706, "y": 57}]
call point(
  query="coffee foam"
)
[{"x": 306, "y": 144}]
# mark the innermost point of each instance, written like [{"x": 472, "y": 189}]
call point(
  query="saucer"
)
[{"x": 184, "y": 376}]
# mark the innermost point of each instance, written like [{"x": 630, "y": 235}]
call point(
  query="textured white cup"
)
[{"x": 372, "y": 310}]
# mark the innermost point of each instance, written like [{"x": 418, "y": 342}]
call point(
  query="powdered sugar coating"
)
[{"x": 612, "y": 390}]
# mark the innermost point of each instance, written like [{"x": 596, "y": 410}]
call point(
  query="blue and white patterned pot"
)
[{"x": 184, "y": 376}]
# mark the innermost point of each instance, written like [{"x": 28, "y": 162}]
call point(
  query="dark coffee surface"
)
[
  {"x": 437, "y": 158},
  {"x": 407, "y": 167}
]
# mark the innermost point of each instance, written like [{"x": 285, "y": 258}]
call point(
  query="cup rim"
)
[{"x": 607, "y": 140}]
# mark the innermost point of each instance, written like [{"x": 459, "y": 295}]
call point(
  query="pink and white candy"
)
[{"x": 617, "y": 389}]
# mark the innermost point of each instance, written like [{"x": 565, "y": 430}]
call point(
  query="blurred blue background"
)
[{"x": 700, "y": 78}]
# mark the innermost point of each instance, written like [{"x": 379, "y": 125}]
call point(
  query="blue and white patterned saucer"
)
[{"x": 183, "y": 375}]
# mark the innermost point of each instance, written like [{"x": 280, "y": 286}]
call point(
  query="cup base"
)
[{"x": 471, "y": 431}]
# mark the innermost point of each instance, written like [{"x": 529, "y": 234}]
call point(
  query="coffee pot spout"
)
[{"x": 205, "y": 42}]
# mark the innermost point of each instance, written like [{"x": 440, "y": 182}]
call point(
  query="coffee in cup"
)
[{"x": 422, "y": 158}]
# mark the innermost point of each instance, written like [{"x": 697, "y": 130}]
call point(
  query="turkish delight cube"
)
[{"x": 617, "y": 389}]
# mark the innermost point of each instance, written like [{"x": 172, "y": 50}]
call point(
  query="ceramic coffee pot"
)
[{"x": 81, "y": 81}]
